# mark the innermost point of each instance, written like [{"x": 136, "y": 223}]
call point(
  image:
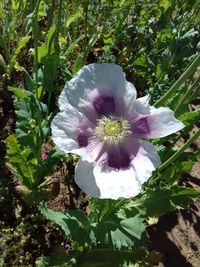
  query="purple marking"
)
[
  {"x": 119, "y": 159},
  {"x": 82, "y": 140},
  {"x": 104, "y": 105},
  {"x": 141, "y": 127}
]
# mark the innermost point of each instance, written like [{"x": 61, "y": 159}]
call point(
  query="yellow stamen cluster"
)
[{"x": 112, "y": 130}]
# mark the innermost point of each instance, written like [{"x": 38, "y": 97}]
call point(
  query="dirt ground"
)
[{"x": 177, "y": 234}]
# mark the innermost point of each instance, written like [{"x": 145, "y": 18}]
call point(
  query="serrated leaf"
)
[
  {"x": 159, "y": 201},
  {"x": 174, "y": 172},
  {"x": 29, "y": 80},
  {"x": 21, "y": 161},
  {"x": 117, "y": 232},
  {"x": 190, "y": 118},
  {"x": 75, "y": 224},
  {"x": 30, "y": 113},
  {"x": 17, "y": 50},
  {"x": 19, "y": 92}
]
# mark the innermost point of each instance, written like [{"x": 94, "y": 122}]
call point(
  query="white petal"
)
[
  {"x": 85, "y": 179},
  {"x": 146, "y": 161},
  {"x": 162, "y": 123},
  {"x": 97, "y": 182},
  {"x": 130, "y": 95},
  {"x": 64, "y": 130},
  {"x": 142, "y": 105},
  {"x": 104, "y": 77},
  {"x": 106, "y": 184}
]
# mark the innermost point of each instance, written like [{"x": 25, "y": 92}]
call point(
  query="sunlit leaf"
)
[
  {"x": 17, "y": 50},
  {"x": 75, "y": 224},
  {"x": 21, "y": 161},
  {"x": 118, "y": 230},
  {"x": 190, "y": 118},
  {"x": 159, "y": 201}
]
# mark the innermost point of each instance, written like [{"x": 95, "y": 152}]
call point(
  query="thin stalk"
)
[
  {"x": 51, "y": 11},
  {"x": 194, "y": 93},
  {"x": 112, "y": 209},
  {"x": 86, "y": 23},
  {"x": 179, "y": 152},
  {"x": 57, "y": 47},
  {"x": 179, "y": 82},
  {"x": 35, "y": 33},
  {"x": 48, "y": 103},
  {"x": 187, "y": 95},
  {"x": 58, "y": 26}
]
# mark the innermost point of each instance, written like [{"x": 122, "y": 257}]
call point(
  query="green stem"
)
[
  {"x": 35, "y": 33},
  {"x": 58, "y": 26},
  {"x": 179, "y": 82},
  {"x": 48, "y": 103},
  {"x": 179, "y": 152},
  {"x": 51, "y": 11},
  {"x": 114, "y": 208},
  {"x": 86, "y": 22},
  {"x": 187, "y": 95}
]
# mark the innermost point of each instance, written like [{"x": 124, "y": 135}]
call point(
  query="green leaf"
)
[
  {"x": 50, "y": 71},
  {"x": 16, "y": 52},
  {"x": 4, "y": 45},
  {"x": 174, "y": 101},
  {"x": 190, "y": 118},
  {"x": 29, "y": 80},
  {"x": 19, "y": 92},
  {"x": 74, "y": 223},
  {"x": 159, "y": 201},
  {"x": 174, "y": 172},
  {"x": 36, "y": 196},
  {"x": 79, "y": 63},
  {"x": 3, "y": 63},
  {"x": 58, "y": 258},
  {"x": 124, "y": 258},
  {"x": 47, "y": 165},
  {"x": 47, "y": 48},
  {"x": 30, "y": 127},
  {"x": 22, "y": 161},
  {"x": 118, "y": 230},
  {"x": 74, "y": 17}
]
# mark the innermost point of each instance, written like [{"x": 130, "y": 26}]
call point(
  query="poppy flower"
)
[{"x": 103, "y": 122}]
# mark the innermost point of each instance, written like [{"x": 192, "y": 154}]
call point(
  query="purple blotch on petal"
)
[
  {"x": 141, "y": 127},
  {"x": 104, "y": 105},
  {"x": 119, "y": 159},
  {"x": 82, "y": 140}
]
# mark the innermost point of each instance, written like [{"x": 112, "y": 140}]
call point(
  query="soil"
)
[{"x": 176, "y": 235}]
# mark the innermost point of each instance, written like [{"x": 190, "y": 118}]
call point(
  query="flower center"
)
[{"x": 112, "y": 130}]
